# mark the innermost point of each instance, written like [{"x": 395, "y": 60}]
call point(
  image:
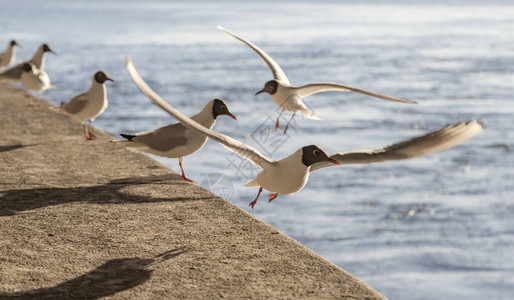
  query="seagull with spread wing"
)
[
  {"x": 290, "y": 97},
  {"x": 289, "y": 175}
]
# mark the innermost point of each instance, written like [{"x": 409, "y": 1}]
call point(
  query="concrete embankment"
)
[{"x": 89, "y": 219}]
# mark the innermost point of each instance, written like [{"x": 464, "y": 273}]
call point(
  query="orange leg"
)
[
  {"x": 272, "y": 196},
  {"x": 252, "y": 204},
  {"x": 182, "y": 169},
  {"x": 89, "y": 134},
  {"x": 84, "y": 128},
  {"x": 287, "y": 126},
  {"x": 278, "y": 119}
]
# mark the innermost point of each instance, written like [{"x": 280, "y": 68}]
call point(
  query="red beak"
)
[
  {"x": 333, "y": 161},
  {"x": 110, "y": 79},
  {"x": 232, "y": 116}
]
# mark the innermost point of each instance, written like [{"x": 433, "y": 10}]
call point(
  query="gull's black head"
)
[
  {"x": 101, "y": 77},
  {"x": 270, "y": 87},
  {"x": 47, "y": 48},
  {"x": 219, "y": 107},
  {"x": 27, "y": 67},
  {"x": 313, "y": 154},
  {"x": 14, "y": 43}
]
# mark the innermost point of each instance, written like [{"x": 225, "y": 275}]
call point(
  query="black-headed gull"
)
[
  {"x": 88, "y": 105},
  {"x": 289, "y": 97},
  {"x": 177, "y": 140},
  {"x": 289, "y": 175},
  {"x": 9, "y": 55},
  {"x": 34, "y": 79},
  {"x": 39, "y": 60}
]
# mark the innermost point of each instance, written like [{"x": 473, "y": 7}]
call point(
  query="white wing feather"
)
[
  {"x": 314, "y": 88},
  {"x": 435, "y": 141},
  {"x": 278, "y": 73}
]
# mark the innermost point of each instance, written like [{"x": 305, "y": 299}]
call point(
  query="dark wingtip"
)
[{"x": 127, "y": 136}]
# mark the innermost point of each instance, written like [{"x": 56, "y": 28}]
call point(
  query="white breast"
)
[
  {"x": 287, "y": 176},
  {"x": 286, "y": 98}
]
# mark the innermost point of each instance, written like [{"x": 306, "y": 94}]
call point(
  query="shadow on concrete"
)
[
  {"x": 13, "y": 147},
  {"x": 13, "y": 201},
  {"x": 114, "y": 276},
  {"x": 159, "y": 258}
]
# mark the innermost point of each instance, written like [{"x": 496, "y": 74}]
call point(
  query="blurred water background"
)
[{"x": 436, "y": 227}]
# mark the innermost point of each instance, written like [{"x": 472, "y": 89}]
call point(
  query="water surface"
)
[{"x": 436, "y": 227}]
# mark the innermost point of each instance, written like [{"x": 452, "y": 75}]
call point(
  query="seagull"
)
[
  {"x": 39, "y": 60},
  {"x": 289, "y": 97},
  {"x": 34, "y": 79},
  {"x": 177, "y": 140},
  {"x": 290, "y": 174},
  {"x": 88, "y": 105},
  {"x": 9, "y": 55}
]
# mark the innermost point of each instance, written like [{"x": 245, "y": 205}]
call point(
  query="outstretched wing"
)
[
  {"x": 278, "y": 73},
  {"x": 314, "y": 88},
  {"x": 233, "y": 145},
  {"x": 442, "y": 139}
]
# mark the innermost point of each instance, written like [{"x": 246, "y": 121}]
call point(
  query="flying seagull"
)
[
  {"x": 289, "y": 97},
  {"x": 290, "y": 174}
]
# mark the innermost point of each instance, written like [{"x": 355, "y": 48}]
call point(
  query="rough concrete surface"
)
[{"x": 90, "y": 219}]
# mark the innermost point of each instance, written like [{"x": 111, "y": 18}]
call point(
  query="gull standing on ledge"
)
[
  {"x": 34, "y": 79},
  {"x": 177, "y": 140},
  {"x": 9, "y": 55},
  {"x": 290, "y": 97},
  {"x": 39, "y": 60},
  {"x": 289, "y": 175},
  {"x": 88, "y": 105}
]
